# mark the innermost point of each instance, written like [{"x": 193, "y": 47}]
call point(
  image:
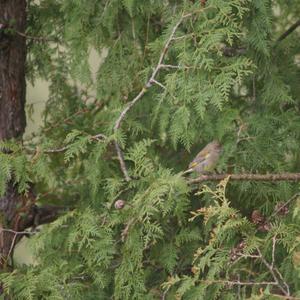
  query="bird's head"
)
[{"x": 215, "y": 145}]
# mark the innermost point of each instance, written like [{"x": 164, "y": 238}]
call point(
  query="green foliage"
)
[{"x": 171, "y": 240}]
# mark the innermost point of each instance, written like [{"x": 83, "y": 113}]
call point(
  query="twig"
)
[
  {"x": 164, "y": 88},
  {"x": 81, "y": 111},
  {"x": 163, "y": 66},
  {"x": 97, "y": 137},
  {"x": 249, "y": 177},
  {"x": 283, "y": 281},
  {"x": 239, "y": 288},
  {"x": 159, "y": 84},
  {"x": 122, "y": 161},
  {"x": 253, "y": 88},
  {"x": 148, "y": 85},
  {"x": 273, "y": 251},
  {"x": 285, "y": 297},
  {"x": 176, "y": 38},
  {"x": 12, "y": 245},
  {"x": 62, "y": 149},
  {"x": 288, "y": 32},
  {"x": 36, "y": 38},
  {"x": 283, "y": 205},
  {"x": 17, "y": 232},
  {"x": 163, "y": 297},
  {"x": 237, "y": 282},
  {"x": 271, "y": 270},
  {"x": 126, "y": 230}
]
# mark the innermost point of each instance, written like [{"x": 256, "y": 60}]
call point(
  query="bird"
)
[{"x": 206, "y": 159}]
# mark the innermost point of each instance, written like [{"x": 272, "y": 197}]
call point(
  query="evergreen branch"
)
[
  {"x": 272, "y": 272},
  {"x": 288, "y": 32},
  {"x": 80, "y": 111},
  {"x": 36, "y": 38},
  {"x": 271, "y": 268},
  {"x": 148, "y": 85},
  {"x": 249, "y": 177},
  {"x": 97, "y": 137}
]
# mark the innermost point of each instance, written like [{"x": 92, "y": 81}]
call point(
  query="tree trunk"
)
[{"x": 12, "y": 101}]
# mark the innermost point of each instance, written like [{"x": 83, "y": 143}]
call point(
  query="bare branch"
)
[
  {"x": 284, "y": 205},
  {"x": 149, "y": 84},
  {"x": 122, "y": 161},
  {"x": 283, "y": 281},
  {"x": 237, "y": 282},
  {"x": 249, "y": 177},
  {"x": 159, "y": 84},
  {"x": 163, "y": 66},
  {"x": 271, "y": 270},
  {"x": 273, "y": 251},
  {"x": 57, "y": 150},
  {"x": 17, "y": 232},
  {"x": 288, "y": 32}
]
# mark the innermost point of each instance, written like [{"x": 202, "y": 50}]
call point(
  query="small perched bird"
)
[{"x": 206, "y": 159}]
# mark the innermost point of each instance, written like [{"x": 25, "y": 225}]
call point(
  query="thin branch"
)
[
  {"x": 288, "y": 32},
  {"x": 126, "y": 229},
  {"x": 97, "y": 137},
  {"x": 271, "y": 270},
  {"x": 163, "y": 296},
  {"x": 164, "y": 88},
  {"x": 148, "y": 85},
  {"x": 36, "y": 38},
  {"x": 12, "y": 245},
  {"x": 273, "y": 250},
  {"x": 17, "y": 232},
  {"x": 122, "y": 161},
  {"x": 249, "y": 177},
  {"x": 159, "y": 84},
  {"x": 237, "y": 282},
  {"x": 283, "y": 281},
  {"x": 81, "y": 111},
  {"x": 62, "y": 149},
  {"x": 285, "y": 297},
  {"x": 284, "y": 205},
  {"x": 176, "y": 38},
  {"x": 239, "y": 288}
]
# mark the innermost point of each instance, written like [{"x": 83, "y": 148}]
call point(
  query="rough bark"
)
[{"x": 12, "y": 101}]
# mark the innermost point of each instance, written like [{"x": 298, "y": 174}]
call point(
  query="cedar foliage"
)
[{"x": 169, "y": 241}]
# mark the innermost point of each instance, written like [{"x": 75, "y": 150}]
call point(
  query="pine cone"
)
[
  {"x": 119, "y": 204},
  {"x": 257, "y": 218}
]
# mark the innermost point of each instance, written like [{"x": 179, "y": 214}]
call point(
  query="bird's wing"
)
[{"x": 201, "y": 157}]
